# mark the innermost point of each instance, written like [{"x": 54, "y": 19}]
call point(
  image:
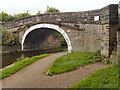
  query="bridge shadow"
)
[{"x": 43, "y": 38}]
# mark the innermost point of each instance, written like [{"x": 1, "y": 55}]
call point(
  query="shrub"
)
[{"x": 8, "y": 38}]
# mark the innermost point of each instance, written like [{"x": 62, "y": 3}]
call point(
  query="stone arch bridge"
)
[{"x": 83, "y": 31}]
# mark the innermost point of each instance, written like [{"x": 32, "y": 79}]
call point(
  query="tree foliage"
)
[
  {"x": 38, "y": 13},
  {"x": 8, "y": 38},
  {"x": 21, "y": 15},
  {"x": 7, "y": 17},
  {"x": 51, "y": 10},
  {"x": 4, "y": 17}
]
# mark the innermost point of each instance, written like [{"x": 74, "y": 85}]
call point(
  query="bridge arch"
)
[{"x": 50, "y": 26}]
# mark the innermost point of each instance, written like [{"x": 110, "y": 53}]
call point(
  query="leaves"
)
[
  {"x": 4, "y": 17},
  {"x": 51, "y": 10},
  {"x": 8, "y": 38},
  {"x": 21, "y": 15},
  {"x": 38, "y": 13}
]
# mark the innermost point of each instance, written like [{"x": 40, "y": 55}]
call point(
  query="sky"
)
[{"x": 33, "y": 6}]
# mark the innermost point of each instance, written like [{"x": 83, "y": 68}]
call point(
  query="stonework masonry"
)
[
  {"x": 42, "y": 39},
  {"x": 88, "y": 39},
  {"x": 88, "y": 30},
  {"x": 105, "y": 15}
]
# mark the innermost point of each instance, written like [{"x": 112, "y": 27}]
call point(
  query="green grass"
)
[
  {"x": 19, "y": 65},
  {"x": 104, "y": 78},
  {"x": 73, "y": 61}
]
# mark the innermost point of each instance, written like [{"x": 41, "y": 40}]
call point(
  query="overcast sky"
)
[{"x": 20, "y": 6}]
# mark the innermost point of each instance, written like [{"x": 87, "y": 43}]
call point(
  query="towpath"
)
[{"x": 32, "y": 76}]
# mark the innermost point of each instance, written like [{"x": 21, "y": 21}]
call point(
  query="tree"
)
[
  {"x": 21, "y": 15},
  {"x": 4, "y": 16},
  {"x": 51, "y": 10},
  {"x": 10, "y": 17},
  {"x": 8, "y": 38},
  {"x": 38, "y": 13}
]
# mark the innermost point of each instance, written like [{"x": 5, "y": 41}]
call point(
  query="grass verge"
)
[
  {"x": 73, "y": 61},
  {"x": 19, "y": 65},
  {"x": 104, "y": 78}
]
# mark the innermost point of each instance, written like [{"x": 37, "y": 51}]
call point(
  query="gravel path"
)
[{"x": 32, "y": 76}]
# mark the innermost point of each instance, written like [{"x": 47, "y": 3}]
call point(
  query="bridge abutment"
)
[{"x": 87, "y": 31}]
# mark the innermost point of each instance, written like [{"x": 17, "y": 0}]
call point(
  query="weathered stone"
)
[{"x": 88, "y": 31}]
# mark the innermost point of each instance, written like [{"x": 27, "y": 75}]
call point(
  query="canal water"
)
[{"x": 10, "y": 58}]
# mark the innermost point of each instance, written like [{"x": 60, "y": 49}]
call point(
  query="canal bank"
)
[
  {"x": 9, "y": 57},
  {"x": 9, "y": 48},
  {"x": 32, "y": 76}
]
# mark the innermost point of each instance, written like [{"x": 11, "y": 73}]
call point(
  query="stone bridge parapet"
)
[
  {"x": 87, "y": 31},
  {"x": 100, "y": 16}
]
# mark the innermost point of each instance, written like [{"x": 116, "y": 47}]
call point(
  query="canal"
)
[{"x": 10, "y": 58}]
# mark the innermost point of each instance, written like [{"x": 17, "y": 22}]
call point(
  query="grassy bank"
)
[
  {"x": 104, "y": 78},
  {"x": 19, "y": 65},
  {"x": 73, "y": 61}
]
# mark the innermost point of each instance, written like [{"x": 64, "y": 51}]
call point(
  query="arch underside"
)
[{"x": 42, "y": 27}]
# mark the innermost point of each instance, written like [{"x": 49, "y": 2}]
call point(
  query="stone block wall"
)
[
  {"x": 109, "y": 32},
  {"x": 88, "y": 39},
  {"x": 105, "y": 40},
  {"x": 113, "y": 14},
  {"x": 86, "y": 17},
  {"x": 109, "y": 39},
  {"x": 113, "y": 38},
  {"x": 99, "y": 28},
  {"x": 42, "y": 39}
]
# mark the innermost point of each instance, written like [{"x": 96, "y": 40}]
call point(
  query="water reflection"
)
[{"x": 8, "y": 59}]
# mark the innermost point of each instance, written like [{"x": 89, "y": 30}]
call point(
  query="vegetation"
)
[
  {"x": 6, "y": 17},
  {"x": 51, "y": 10},
  {"x": 38, "y": 13},
  {"x": 104, "y": 78},
  {"x": 8, "y": 38},
  {"x": 73, "y": 61},
  {"x": 60, "y": 36},
  {"x": 21, "y": 15},
  {"x": 19, "y": 65}
]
